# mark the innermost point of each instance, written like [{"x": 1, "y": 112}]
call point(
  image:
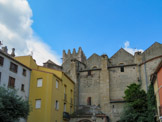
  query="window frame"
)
[
  {"x": 57, "y": 84},
  {"x": 39, "y": 84},
  {"x": 57, "y": 105},
  {"x": 24, "y": 72},
  {"x": 10, "y": 84},
  {"x": 13, "y": 67},
  {"x": 22, "y": 87},
  {"x": 38, "y": 106}
]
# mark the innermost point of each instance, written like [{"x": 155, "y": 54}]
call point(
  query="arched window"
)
[{"x": 94, "y": 67}]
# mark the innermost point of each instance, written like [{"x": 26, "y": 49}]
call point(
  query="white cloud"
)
[
  {"x": 129, "y": 49},
  {"x": 16, "y": 31}
]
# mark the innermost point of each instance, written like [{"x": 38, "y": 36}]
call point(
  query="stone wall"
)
[{"x": 102, "y": 79}]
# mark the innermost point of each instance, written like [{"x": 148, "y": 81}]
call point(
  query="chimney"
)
[
  {"x": 4, "y": 49},
  {"x": 13, "y": 52}
]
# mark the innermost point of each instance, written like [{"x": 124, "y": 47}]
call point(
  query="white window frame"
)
[
  {"x": 39, "y": 82},
  {"x": 57, "y": 84},
  {"x": 64, "y": 107},
  {"x": 38, "y": 103},
  {"x": 57, "y": 105}
]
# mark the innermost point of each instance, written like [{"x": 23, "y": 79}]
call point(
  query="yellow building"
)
[{"x": 51, "y": 93}]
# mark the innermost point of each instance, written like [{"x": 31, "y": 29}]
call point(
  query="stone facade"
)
[{"x": 101, "y": 81}]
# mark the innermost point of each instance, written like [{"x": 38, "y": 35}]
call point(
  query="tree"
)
[
  {"x": 12, "y": 106},
  {"x": 135, "y": 109},
  {"x": 151, "y": 103}
]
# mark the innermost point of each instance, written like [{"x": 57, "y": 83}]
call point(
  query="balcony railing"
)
[
  {"x": 65, "y": 97},
  {"x": 66, "y": 116}
]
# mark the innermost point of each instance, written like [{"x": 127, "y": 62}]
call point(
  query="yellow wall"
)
[
  {"x": 56, "y": 72},
  {"x": 43, "y": 93},
  {"x": 48, "y": 93},
  {"x": 27, "y": 61}
]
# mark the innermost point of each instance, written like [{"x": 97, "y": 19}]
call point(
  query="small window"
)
[
  {"x": 57, "y": 84},
  {"x": 89, "y": 101},
  {"x": 11, "y": 82},
  {"x": 89, "y": 72},
  {"x": 24, "y": 72},
  {"x": 38, "y": 103},
  {"x": 122, "y": 68},
  {"x": 13, "y": 67},
  {"x": 64, "y": 107},
  {"x": 1, "y": 60},
  {"x": 39, "y": 82},
  {"x": 22, "y": 87},
  {"x": 57, "y": 105}
]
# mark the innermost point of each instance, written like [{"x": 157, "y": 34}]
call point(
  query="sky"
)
[{"x": 44, "y": 28}]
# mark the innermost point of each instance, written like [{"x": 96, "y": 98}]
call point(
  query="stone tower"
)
[{"x": 101, "y": 81}]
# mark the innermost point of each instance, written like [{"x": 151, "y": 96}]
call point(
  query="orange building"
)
[{"x": 157, "y": 80}]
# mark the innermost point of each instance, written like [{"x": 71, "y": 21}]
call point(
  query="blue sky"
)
[
  {"x": 100, "y": 26},
  {"x": 43, "y": 28}
]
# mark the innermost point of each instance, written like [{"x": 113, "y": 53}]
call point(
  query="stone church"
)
[{"x": 101, "y": 81}]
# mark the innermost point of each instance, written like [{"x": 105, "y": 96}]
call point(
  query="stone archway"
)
[{"x": 84, "y": 120}]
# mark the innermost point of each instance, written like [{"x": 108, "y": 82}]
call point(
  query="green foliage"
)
[
  {"x": 12, "y": 106},
  {"x": 151, "y": 103},
  {"x": 135, "y": 109},
  {"x": 139, "y": 107}
]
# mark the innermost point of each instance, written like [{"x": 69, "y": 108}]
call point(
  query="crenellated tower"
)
[{"x": 80, "y": 56}]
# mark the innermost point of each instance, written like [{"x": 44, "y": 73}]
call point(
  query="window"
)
[
  {"x": 22, "y": 87},
  {"x": 89, "y": 73},
  {"x": 122, "y": 68},
  {"x": 1, "y": 60},
  {"x": 57, "y": 84},
  {"x": 13, "y": 67},
  {"x": 57, "y": 105},
  {"x": 11, "y": 82},
  {"x": 64, "y": 107},
  {"x": 24, "y": 72},
  {"x": 38, "y": 103},
  {"x": 89, "y": 101},
  {"x": 39, "y": 82}
]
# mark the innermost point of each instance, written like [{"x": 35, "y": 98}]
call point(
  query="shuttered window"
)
[{"x": 11, "y": 82}]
